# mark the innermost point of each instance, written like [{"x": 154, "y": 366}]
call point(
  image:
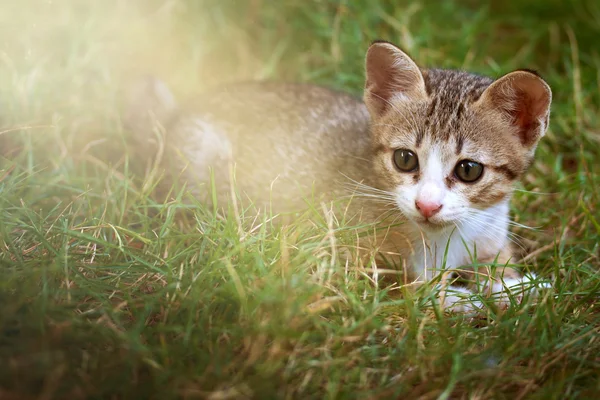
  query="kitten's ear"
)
[
  {"x": 390, "y": 75},
  {"x": 149, "y": 103},
  {"x": 524, "y": 100}
]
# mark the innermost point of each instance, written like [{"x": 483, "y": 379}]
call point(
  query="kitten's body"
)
[
  {"x": 302, "y": 145},
  {"x": 290, "y": 142}
]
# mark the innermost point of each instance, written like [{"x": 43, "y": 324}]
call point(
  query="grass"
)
[{"x": 106, "y": 292}]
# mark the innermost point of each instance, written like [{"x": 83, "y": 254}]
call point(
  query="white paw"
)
[
  {"x": 458, "y": 300},
  {"x": 505, "y": 290}
]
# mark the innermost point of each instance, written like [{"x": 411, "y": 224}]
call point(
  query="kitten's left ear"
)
[
  {"x": 390, "y": 75},
  {"x": 524, "y": 99}
]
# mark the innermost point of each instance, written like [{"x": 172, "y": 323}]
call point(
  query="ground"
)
[{"x": 106, "y": 292}]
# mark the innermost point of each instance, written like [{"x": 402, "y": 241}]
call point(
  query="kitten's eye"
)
[
  {"x": 468, "y": 171},
  {"x": 406, "y": 160}
]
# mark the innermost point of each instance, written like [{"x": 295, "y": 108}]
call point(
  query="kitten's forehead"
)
[
  {"x": 446, "y": 114},
  {"x": 454, "y": 84},
  {"x": 451, "y": 93}
]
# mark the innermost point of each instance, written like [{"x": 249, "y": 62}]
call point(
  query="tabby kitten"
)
[{"x": 439, "y": 150}]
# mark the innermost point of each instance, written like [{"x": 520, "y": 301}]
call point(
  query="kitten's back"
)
[{"x": 284, "y": 140}]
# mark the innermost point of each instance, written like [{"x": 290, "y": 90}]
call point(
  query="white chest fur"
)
[{"x": 483, "y": 234}]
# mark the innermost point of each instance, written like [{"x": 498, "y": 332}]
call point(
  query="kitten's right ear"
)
[
  {"x": 390, "y": 75},
  {"x": 149, "y": 103},
  {"x": 523, "y": 98}
]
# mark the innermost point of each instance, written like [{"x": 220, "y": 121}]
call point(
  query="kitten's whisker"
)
[
  {"x": 358, "y": 190},
  {"x": 373, "y": 195},
  {"x": 519, "y": 225},
  {"x": 484, "y": 225},
  {"x": 486, "y": 233},
  {"x": 397, "y": 210},
  {"x": 463, "y": 236},
  {"x": 537, "y": 193},
  {"x": 363, "y": 185},
  {"x": 510, "y": 222},
  {"x": 494, "y": 232}
]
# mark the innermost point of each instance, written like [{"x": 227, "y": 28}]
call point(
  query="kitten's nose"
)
[{"x": 428, "y": 209}]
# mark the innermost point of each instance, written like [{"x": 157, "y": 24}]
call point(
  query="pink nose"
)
[{"x": 428, "y": 209}]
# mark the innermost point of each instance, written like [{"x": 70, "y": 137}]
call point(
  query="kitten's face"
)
[
  {"x": 449, "y": 144},
  {"x": 442, "y": 173}
]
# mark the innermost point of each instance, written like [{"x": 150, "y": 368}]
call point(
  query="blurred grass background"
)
[{"x": 107, "y": 293}]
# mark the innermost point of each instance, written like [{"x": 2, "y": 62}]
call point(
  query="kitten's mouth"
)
[{"x": 434, "y": 225}]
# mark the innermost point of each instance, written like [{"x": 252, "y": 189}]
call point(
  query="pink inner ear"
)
[
  {"x": 383, "y": 80},
  {"x": 387, "y": 82},
  {"x": 390, "y": 72},
  {"x": 525, "y": 119},
  {"x": 525, "y": 98},
  {"x": 380, "y": 83}
]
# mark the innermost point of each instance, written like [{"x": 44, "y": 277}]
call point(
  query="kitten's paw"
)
[
  {"x": 507, "y": 290},
  {"x": 458, "y": 300},
  {"x": 503, "y": 292}
]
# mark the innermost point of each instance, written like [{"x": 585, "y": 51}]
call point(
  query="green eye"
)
[
  {"x": 468, "y": 171},
  {"x": 406, "y": 160}
]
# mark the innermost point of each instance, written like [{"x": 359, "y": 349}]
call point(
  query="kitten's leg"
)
[
  {"x": 493, "y": 278},
  {"x": 457, "y": 299}
]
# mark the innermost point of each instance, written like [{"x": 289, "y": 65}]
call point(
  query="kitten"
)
[{"x": 439, "y": 150}]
